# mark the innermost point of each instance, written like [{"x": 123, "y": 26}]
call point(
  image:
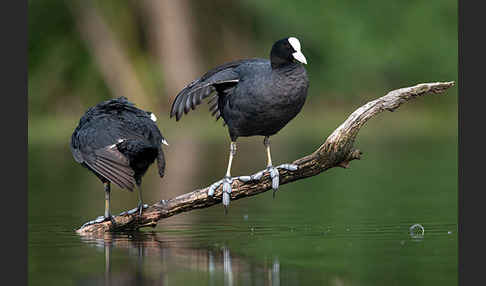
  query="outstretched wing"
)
[{"x": 219, "y": 79}]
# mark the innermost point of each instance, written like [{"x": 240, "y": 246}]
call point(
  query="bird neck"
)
[
  {"x": 279, "y": 63},
  {"x": 289, "y": 67}
]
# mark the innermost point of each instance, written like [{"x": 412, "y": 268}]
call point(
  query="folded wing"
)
[{"x": 112, "y": 165}]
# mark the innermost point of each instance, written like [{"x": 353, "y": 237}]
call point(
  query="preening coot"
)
[
  {"x": 118, "y": 142},
  {"x": 254, "y": 97}
]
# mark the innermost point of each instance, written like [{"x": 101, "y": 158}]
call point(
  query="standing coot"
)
[
  {"x": 254, "y": 97},
  {"x": 118, "y": 142}
]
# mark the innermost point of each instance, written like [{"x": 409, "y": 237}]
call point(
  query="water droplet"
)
[{"x": 417, "y": 231}]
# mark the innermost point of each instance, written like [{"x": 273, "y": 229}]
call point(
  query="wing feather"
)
[
  {"x": 123, "y": 180},
  {"x": 195, "y": 92},
  {"x": 213, "y": 98},
  {"x": 112, "y": 165},
  {"x": 161, "y": 162}
]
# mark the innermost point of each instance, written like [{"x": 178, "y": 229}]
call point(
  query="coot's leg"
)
[
  {"x": 227, "y": 180},
  {"x": 140, "y": 205},
  {"x": 274, "y": 174},
  {"x": 140, "y": 202},
  {"x": 273, "y": 171},
  {"x": 107, "y": 203}
]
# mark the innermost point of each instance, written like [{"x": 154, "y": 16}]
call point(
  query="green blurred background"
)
[{"x": 84, "y": 52}]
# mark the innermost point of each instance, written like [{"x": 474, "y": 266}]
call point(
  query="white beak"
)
[
  {"x": 165, "y": 142},
  {"x": 300, "y": 57}
]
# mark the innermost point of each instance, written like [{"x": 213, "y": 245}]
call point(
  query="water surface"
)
[{"x": 342, "y": 227}]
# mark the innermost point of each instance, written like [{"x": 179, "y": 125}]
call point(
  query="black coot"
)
[
  {"x": 118, "y": 142},
  {"x": 254, "y": 97}
]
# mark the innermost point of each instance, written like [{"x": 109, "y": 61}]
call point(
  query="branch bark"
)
[{"x": 336, "y": 151}]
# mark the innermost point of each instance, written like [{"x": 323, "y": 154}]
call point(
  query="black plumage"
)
[
  {"x": 253, "y": 96},
  {"x": 118, "y": 142}
]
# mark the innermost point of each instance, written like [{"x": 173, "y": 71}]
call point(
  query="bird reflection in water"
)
[
  {"x": 228, "y": 272},
  {"x": 107, "y": 263},
  {"x": 160, "y": 260}
]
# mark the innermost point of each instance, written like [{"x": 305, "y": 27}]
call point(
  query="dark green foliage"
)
[{"x": 353, "y": 47}]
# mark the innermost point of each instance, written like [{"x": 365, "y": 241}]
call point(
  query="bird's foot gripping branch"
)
[{"x": 336, "y": 151}]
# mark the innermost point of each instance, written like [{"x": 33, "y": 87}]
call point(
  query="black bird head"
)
[{"x": 286, "y": 51}]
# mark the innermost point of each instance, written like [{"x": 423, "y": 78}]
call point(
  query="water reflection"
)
[
  {"x": 345, "y": 227},
  {"x": 158, "y": 260},
  {"x": 276, "y": 272}
]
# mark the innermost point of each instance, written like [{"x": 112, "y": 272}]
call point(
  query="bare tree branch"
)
[{"x": 336, "y": 151}]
